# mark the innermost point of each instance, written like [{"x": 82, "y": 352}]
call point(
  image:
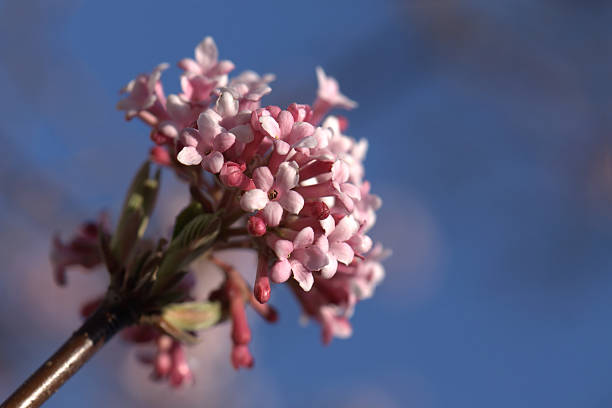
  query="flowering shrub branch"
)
[{"x": 286, "y": 183}]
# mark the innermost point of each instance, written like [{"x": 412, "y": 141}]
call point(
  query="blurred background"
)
[{"x": 490, "y": 129}]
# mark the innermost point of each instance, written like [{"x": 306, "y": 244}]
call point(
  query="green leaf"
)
[
  {"x": 195, "y": 238},
  {"x": 137, "y": 208},
  {"x": 187, "y": 214},
  {"x": 193, "y": 316}
]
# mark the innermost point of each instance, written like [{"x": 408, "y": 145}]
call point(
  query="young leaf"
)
[
  {"x": 137, "y": 208},
  {"x": 195, "y": 238},
  {"x": 193, "y": 316}
]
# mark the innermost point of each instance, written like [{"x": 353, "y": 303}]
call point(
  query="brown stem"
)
[{"x": 71, "y": 356}]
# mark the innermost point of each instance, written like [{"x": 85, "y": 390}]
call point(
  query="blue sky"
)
[{"x": 490, "y": 142}]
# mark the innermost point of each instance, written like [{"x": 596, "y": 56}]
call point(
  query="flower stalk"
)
[{"x": 100, "y": 327}]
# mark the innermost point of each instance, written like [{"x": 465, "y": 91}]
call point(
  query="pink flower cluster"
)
[{"x": 288, "y": 182}]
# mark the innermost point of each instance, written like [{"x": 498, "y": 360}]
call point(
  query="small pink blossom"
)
[
  {"x": 299, "y": 256},
  {"x": 143, "y": 92},
  {"x": 274, "y": 193},
  {"x": 329, "y": 97}
]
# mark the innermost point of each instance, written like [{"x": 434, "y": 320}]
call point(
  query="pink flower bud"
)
[
  {"x": 241, "y": 357},
  {"x": 261, "y": 289},
  {"x": 256, "y": 226},
  {"x": 160, "y": 156}
]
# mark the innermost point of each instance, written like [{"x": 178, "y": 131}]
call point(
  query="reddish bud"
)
[
  {"x": 256, "y": 226},
  {"x": 241, "y": 357},
  {"x": 262, "y": 289},
  {"x": 160, "y": 156}
]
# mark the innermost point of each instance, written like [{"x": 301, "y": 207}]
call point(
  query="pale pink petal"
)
[
  {"x": 223, "y": 141},
  {"x": 322, "y": 243},
  {"x": 281, "y": 147},
  {"x": 244, "y": 133},
  {"x": 281, "y": 271},
  {"x": 169, "y": 129},
  {"x": 329, "y": 270},
  {"x": 285, "y": 123},
  {"x": 263, "y": 179},
  {"x": 312, "y": 257},
  {"x": 299, "y": 131},
  {"x": 190, "y": 137},
  {"x": 287, "y": 176},
  {"x": 208, "y": 124},
  {"x": 272, "y": 214},
  {"x": 283, "y": 248},
  {"x": 291, "y": 201},
  {"x": 189, "y": 156},
  {"x": 226, "y": 105},
  {"x": 254, "y": 200},
  {"x": 302, "y": 275},
  {"x": 351, "y": 190},
  {"x": 309, "y": 142},
  {"x": 344, "y": 230},
  {"x": 304, "y": 238},
  {"x": 342, "y": 251},
  {"x": 206, "y": 53},
  {"x": 328, "y": 224},
  {"x": 270, "y": 126},
  {"x": 360, "y": 243},
  {"x": 340, "y": 171},
  {"x": 223, "y": 67},
  {"x": 190, "y": 65},
  {"x": 213, "y": 162},
  {"x": 179, "y": 110}
]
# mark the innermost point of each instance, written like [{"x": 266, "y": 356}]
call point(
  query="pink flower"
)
[
  {"x": 207, "y": 144},
  {"x": 299, "y": 256},
  {"x": 82, "y": 250},
  {"x": 329, "y": 97},
  {"x": 248, "y": 88},
  {"x": 274, "y": 193},
  {"x": 334, "y": 243},
  {"x": 207, "y": 62},
  {"x": 143, "y": 92}
]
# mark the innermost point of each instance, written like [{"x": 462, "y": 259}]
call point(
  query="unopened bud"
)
[{"x": 256, "y": 226}]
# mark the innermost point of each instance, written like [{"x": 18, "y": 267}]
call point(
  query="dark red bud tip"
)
[
  {"x": 256, "y": 226},
  {"x": 320, "y": 210},
  {"x": 272, "y": 315},
  {"x": 262, "y": 289}
]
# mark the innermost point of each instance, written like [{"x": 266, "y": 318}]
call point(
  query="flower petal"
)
[
  {"x": 206, "y": 53},
  {"x": 287, "y": 175},
  {"x": 254, "y": 200},
  {"x": 226, "y": 105},
  {"x": 244, "y": 133},
  {"x": 189, "y": 156},
  {"x": 213, "y": 162},
  {"x": 179, "y": 110},
  {"x": 302, "y": 275},
  {"x": 342, "y": 251},
  {"x": 272, "y": 214},
  {"x": 263, "y": 179},
  {"x": 291, "y": 201},
  {"x": 283, "y": 248},
  {"x": 270, "y": 126},
  {"x": 328, "y": 224},
  {"x": 304, "y": 238},
  {"x": 344, "y": 229},
  {"x": 281, "y": 271},
  {"x": 329, "y": 270},
  {"x": 223, "y": 141}
]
